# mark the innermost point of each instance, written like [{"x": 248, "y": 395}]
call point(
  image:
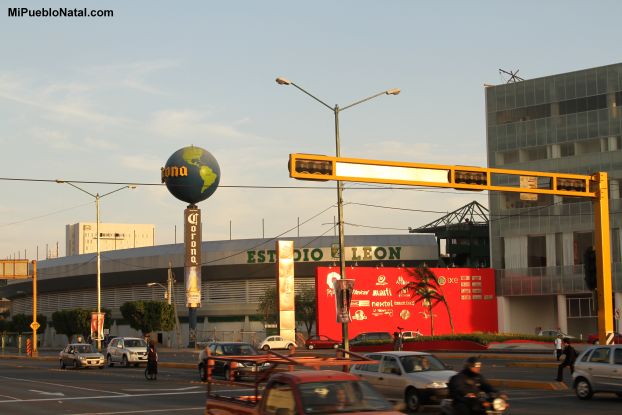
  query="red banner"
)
[
  {"x": 379, "y": 305},
  {"x": 97, "y": 325}
]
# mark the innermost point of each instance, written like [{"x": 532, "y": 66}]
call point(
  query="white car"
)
[
  {"x": 415, "y": 378},
  {"x": 410, "y": 334},
  {"x": 80, "y": 355},
  {"x": 598, "y": 370},
  {"x": 126, "y": 351},
  {"x": 277, "y": 342}
]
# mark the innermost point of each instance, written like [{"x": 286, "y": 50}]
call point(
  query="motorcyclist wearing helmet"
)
[{"x": 465, "y": 387}]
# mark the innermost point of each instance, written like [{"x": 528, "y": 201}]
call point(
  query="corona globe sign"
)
[{"x": 191, "y": 174}]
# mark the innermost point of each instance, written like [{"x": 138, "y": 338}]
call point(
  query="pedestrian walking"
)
[
  {"x": 397, "y": 341},
  {"x": 558, "y": 347},
  {"x": 570, "y": 355}
]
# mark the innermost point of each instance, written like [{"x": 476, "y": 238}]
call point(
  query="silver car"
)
[
  {"x": 415, "y": 378},
  {"x": 126, "y": 351},
  {"x": 598, "y": 369},
  {"x": 79, "y": 355}
]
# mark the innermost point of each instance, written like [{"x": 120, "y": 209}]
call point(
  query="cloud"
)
[
  {"x": 100, "y": 144},
  {"x": 143, "y": 163},
  {"x": 131, "y": 75},
  {"x": 191, "y": 124},
  {"x": 52, "y": 139}
]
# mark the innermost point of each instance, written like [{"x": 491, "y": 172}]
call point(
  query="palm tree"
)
[{"x": 426, "y": 289}]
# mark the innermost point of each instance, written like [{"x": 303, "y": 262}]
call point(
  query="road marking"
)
[
  {"x": 60, "y": 384},
  {"x": 163, "y": 390},
  {"x": 47, "y": 393},
  {"x": 82, "y": 398},
  {"x": 10, "y": 397},
  {"x": 525, "y": 398},
  {"x": 151, "y": 411}
]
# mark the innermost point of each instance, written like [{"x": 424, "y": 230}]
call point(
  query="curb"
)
[
  {"x": 528, "y": 384},
  {"x": 534, "y": 364}
]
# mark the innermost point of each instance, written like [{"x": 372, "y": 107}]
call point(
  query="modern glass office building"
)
[{"x": 569, "y": 123}]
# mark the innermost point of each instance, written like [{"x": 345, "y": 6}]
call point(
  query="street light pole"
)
[
  {"x": 97, "y": 197},
  {"x": 336, "y": 110},
  {"x": 167, "y": 290}
]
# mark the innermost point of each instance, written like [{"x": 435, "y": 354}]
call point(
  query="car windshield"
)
[
  {"x": 413, "y": 364},
  {"x": 84, "y": 348},
  {"x": 134, "y": 343},
  {"x": 343, "y": 396},
  {"x": 239, "y": 350}
]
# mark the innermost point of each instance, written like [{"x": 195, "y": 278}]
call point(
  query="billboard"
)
[{"x": 377, "y": 303}]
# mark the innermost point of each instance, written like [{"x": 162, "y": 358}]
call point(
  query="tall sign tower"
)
[{"x": 192, "y": 175}]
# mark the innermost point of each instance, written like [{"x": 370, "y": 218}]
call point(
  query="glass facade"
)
[{"x": 569, "y": 123}]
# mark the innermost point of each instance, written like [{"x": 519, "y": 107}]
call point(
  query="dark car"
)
[
  {"x": 321, "y": 342},
  {"x": 372, "y": 337},
  {"x": 221, "y": 368}
]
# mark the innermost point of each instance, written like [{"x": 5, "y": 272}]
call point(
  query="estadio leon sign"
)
[{"x": 377, "y": 303}]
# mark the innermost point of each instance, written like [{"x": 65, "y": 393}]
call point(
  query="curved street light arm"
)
[{"x": 388, "y": 92}]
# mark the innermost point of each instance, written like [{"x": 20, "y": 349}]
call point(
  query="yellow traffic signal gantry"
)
[{"x": 595, "y": 187}]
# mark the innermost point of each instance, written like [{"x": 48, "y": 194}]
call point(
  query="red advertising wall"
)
[{"x": 378, "y": 305}]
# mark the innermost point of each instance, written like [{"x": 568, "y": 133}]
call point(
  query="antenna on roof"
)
[{"x": 513, "y": 76}]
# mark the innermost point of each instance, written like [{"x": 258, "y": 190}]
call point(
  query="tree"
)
[
  {"x": 76, "y": 321},
  {"x": 267, "y": 306},
  {"x": 306, "y": 307},
  {"x": 21, "y": 323},
  {"x": 426, "y": 289},
  {"x": 149, "y": 316}
]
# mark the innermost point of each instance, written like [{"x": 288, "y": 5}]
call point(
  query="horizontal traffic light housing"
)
[
  {"x": 573, "y": 185},
  {"x": 470, "y": 177},
  {"x": 321, "y": 170}
]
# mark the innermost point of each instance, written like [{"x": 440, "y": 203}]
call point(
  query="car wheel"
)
[
  {"x": 619, "y": 394},
  {"x": 290, "y": 346},
  {"x": 413, "y": 403},
  {"x": 227, "y": 373},
  {"x": 265, "y": 347},
  {"x": 583, "y": 389},
  {"x": 202, "y": 373},
  {"x": 125, "y": 362},
  {"x": 62, "y": 364},
  {"x": 310, "y": 347},
  {"x": 109, "y": 361},
  {"x": 76, "y": 364},
  {"x": 100, "y": 367},
  {"x": 135, "y": 364}
]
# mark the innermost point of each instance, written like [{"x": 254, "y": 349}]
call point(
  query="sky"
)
[{"x": 108, "y": 100}]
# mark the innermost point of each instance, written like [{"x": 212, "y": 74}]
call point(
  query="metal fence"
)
[{"x": 549, "y": 280}]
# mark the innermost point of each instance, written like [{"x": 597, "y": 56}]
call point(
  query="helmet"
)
[{"x": 472, "y": 362}]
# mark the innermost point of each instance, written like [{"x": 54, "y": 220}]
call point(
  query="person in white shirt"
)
[{"x": 558, "y": 347}]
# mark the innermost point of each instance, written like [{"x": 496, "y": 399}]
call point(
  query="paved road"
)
[{"x": 40, "y": 387}]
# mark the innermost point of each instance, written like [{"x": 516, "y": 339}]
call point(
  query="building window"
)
[
  {"x": 581, "y": 242},
  {"x": 536, "y": 251},
  {"x": 567, "y": 150},
  {"x": 581, "y": 307}
]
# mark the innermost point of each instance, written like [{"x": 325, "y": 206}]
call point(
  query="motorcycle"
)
[{"x": 490, "y": 404}]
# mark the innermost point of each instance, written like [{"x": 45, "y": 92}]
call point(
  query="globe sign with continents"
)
[{"x": 191, "y": 174}]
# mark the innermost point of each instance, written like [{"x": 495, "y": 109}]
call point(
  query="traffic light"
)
[
  {"x": 470, "y": 177},
  {"x": 589, "y": 268},
  {"x": 317, "y": 168},
  {"x": 575, "y": 185}
]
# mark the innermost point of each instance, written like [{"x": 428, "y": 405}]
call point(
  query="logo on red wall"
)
[{"x": 379, "y": 303}]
